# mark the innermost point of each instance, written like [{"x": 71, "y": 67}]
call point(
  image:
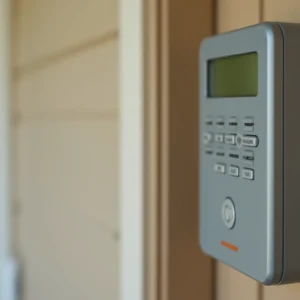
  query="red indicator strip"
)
[{"x": 229, "y": 246}]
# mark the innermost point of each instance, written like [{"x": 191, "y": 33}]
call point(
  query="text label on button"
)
[
  {"x": 207, "y": 137},
  {"x": 220, "y": 168},
  {"x": 219, "y": 138},
  {"x": 248, "y": 174},
  {"x": 233, "y": 171},
  {"x": 230, "y": 139},
  {"x": 250, "y": 141}
]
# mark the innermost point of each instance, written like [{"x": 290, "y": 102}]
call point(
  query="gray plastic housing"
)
[{"x": 266, "y": 233}]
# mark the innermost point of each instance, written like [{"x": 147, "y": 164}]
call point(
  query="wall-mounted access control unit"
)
[{"x": 250, "y": 150}]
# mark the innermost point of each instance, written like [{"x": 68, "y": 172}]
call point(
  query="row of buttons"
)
[
  {"x": 235, "y": 171},
  {"x": 246, "y": 155},
  {"x": 231, "y": 139},
  {"x": 232, "y": 123}
]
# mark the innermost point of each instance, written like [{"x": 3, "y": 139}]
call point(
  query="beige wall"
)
[
  {"x": 233, "y": 14},
  {"x": 66, "y": 139}
]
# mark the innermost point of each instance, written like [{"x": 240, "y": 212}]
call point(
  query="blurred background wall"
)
[
  {"x": 65, "y": 131},
  {"x": 65, "y": 114}
]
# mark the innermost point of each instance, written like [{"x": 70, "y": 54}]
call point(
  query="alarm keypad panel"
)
[
  {"x": 238, "y": 157},
  {"x": 231, "y": 147}
]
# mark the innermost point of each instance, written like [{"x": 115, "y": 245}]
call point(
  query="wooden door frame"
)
[
  {"x": 160, "y": 256},
  {"x": 132, "y": 185},
  {"x": 6, "y": 262}
]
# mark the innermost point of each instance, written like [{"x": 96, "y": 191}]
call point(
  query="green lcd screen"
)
[{"x": 233, "y": 76}]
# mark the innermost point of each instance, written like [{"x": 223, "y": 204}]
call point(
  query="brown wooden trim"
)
[
  {"x": 176, "y": 267},
  {"x": 187, "y": 272},
  {"x": 261, "y": 14},
  {"x": 152, "y": 155}
]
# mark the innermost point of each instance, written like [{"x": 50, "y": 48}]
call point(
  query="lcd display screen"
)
[{"x": 233, "y": 76}]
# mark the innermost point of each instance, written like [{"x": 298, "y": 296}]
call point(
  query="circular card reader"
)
[{"x": 228, "y": 213}]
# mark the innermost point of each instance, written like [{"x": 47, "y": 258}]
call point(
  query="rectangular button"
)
[
  {"x": 219, "y": 138},
  {"x": 250, "y": 141},
  {"x": 230, "y": 139},
  {"x": 248, "y": 174},
  {"x": 220, "y": 122},
  {"x": 248, "y": 157},
  {"x": 220, "y": 153},
  {"x": 233, "y": 123},
  {"x": 249, "y": 121},
  {"x": 233, "y": 171},
  {"x": 209, "y": 121},
  {"x": 219, "y": 168},
  {"x": 234, "y": 155},
  {"x": 209, "y": 151},
  {"x": 207, "y": 137}
]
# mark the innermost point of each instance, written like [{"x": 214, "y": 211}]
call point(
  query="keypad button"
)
[
  {"x": 238, "y": 140},
  {"x": 234, "y": 171},
  {"x": 207, "y": 137},
  {"x": 209, "y": 122},
  {"x": 234, "y": 155},
  {"x": 230, "y": 139},
  {"x": 220, "y": 153},
  {"x": 248, "y": 124},
  {"x": 220, "y": 122},
  {"x": 249, "y": 141},
  {"x": 220, "y": 168},
  {"x": 248, "y": 174},
  {"x": 209, "y": 151},
  {"x": 219, "y": 138},
  {"x": 228, "y": 213},
  {"x": 233, "y": 123},
  {"x": 248, "y": 157}
]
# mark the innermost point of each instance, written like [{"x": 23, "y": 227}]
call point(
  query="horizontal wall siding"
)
[
  {"x": 283, "y": 11},
  {"x": 68, "y": 226},
  {"x": 46, "y": 27},
  {"x": 66, "y": 142},
  {"x": 232, "y": 285},
  {"x": 69, "y": 166},
  {"x": 234, "y": 14},
  {"x": 83, "y": 83}
]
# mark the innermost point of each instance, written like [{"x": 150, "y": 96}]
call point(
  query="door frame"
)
[
  {"x": 6, "y": 262},
  {"x": 160, "y": 256},
  {"x": 132, "y": 223}
]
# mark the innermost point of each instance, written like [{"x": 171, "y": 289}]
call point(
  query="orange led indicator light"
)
[{"x": 230, "y": 246}]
